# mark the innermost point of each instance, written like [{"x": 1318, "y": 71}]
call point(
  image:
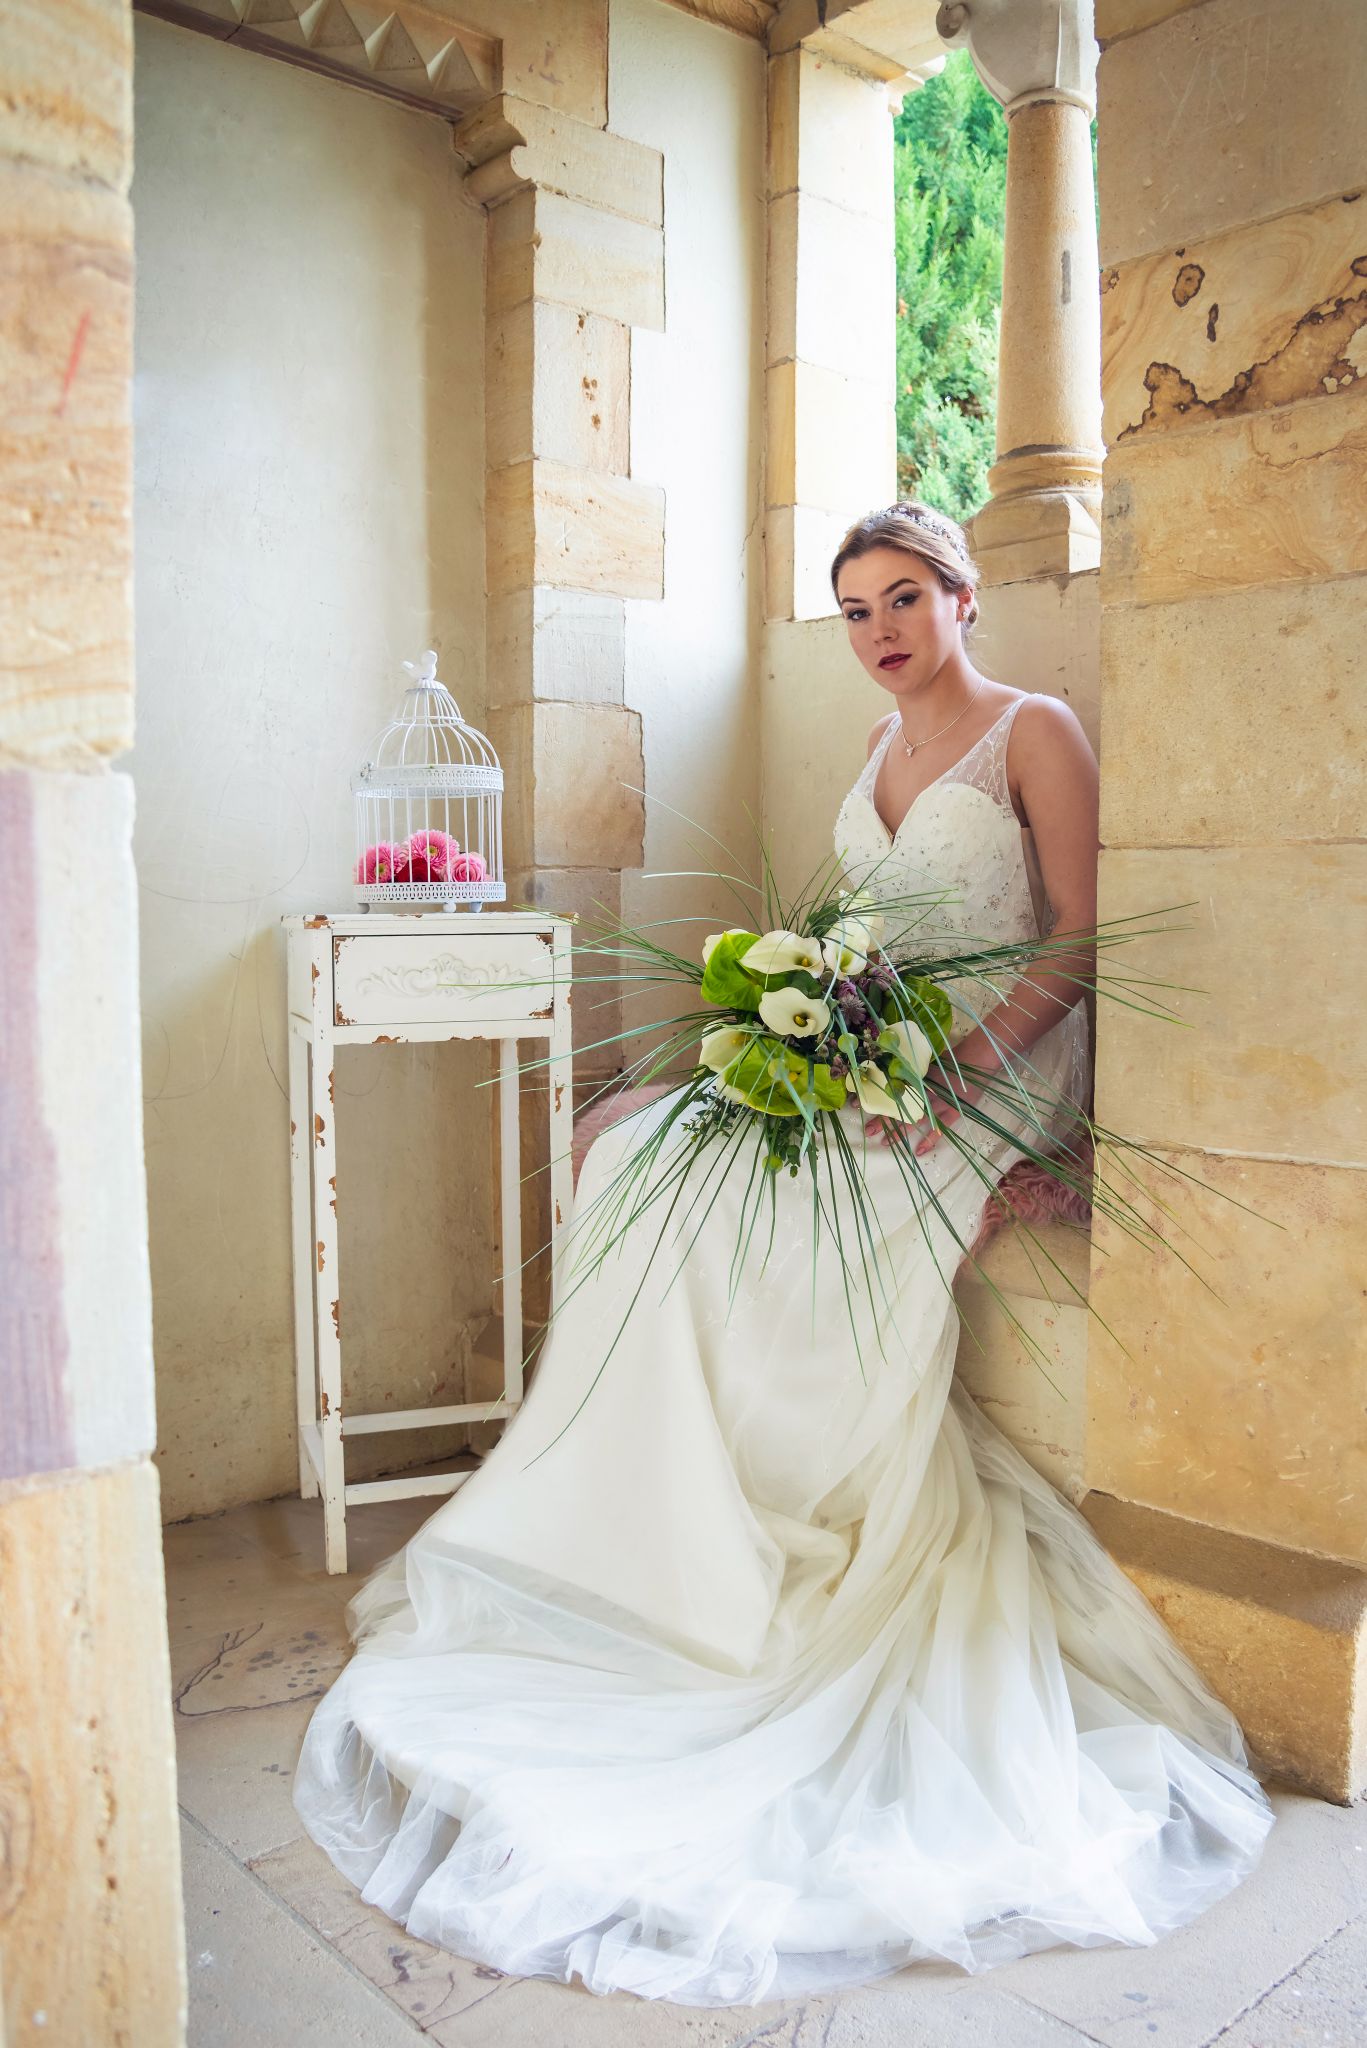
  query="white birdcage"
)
[{"x": 429, "y": 805}]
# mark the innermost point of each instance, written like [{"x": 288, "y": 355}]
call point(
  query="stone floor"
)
[{"x": 282, "y": 1954}]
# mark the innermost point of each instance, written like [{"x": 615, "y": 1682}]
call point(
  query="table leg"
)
[
  {"x": 328, "y": 1295},
  {"x": 301, "y": 1224},
  {"x": 510, "y": 1171}
]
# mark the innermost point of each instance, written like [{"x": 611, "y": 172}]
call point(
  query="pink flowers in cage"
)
[{"x": 427, "y": 856}]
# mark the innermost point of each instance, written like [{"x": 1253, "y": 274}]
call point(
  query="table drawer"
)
[{"x": 438, "y": 977}]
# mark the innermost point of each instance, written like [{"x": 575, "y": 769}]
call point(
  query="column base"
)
[
  {"x": 1279, "y": 1636},
  {"x": 1036, "y": 533}
]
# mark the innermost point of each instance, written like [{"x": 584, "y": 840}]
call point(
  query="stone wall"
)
[
  {"x": 1234, "y": 251},
  {"x": 310, "y": 447},
  {"x": 90, "y": 1918}
]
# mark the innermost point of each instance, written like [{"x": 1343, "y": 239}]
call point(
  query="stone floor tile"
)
[
  {"x": 235, "y": 1773},
  {"x": 1323, "y": 2004},
  {"x": 258, "y": 1977},
  {"x": 427, "y": 1983},
  {"x": 976, "y": 2015},
  {"x": 533, "y": 2012},
  {"x": 1181, "y": 1992}
]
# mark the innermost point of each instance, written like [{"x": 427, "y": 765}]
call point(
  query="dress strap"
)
[{"x": 984, "y": 765}]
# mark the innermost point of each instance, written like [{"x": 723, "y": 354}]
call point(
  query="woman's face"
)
[{"x": 902, "y": 622}]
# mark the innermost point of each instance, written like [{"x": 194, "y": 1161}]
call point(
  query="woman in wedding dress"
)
[{"x": 764, "y": 1676}]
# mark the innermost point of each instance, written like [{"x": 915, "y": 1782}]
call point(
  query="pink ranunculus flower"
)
[
  {"x": 380, "y": 863},
  {"x": 437, "y": 850},
  {"x": 411, "y": 867},
  {"x": 467, "y": 867}
]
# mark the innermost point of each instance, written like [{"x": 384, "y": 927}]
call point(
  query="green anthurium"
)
[
  {"x": 723, "y": 981},
  {"x": 761, "y": 1079},
  {"x": 830, "y": 1093}
]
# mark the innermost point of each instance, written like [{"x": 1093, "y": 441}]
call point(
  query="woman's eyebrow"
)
[{"x": 882, "y": 593}]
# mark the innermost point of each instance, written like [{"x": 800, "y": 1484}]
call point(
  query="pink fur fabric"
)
[{"x": 1025, "y": 1194}]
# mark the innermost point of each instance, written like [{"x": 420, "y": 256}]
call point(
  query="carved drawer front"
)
[{"x": 435, "y": 977}]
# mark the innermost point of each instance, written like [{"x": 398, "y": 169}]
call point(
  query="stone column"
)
[
  {"x": 1038, "y": 58},
  {"x": 1226, "y": 1437},
  {"x": 575, "y": 260},
  {"x": 90, "y": 1909}
]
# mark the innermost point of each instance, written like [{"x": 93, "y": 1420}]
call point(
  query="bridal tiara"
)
[{"x": 941, "y": 528}]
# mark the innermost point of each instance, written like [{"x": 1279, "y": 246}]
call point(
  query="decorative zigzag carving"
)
[{"x": 407, "y": 52}]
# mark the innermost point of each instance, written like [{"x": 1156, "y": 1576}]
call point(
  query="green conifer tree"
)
[{"x": 950, "y": 173}]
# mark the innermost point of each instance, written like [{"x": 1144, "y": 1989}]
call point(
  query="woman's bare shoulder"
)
[
  {"x": 1051, "y": 764},
  {"x": 1048, "y": 726},
  {"x": 880, "y": 726}
]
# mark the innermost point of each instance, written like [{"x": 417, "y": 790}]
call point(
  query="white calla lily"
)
[
  {"x": 721, "y": 1046},
  {"x": 847, "y": 945},
  {"x": 714, "y": 938},
  {"x": 789, "y": 1012},
  {"x": 913, "y": 1045},
  {"x": 783, "y": 953},
  {"x": 869, "y": 1083}
]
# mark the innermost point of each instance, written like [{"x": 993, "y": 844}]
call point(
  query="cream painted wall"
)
[
  {"x": 309, "y": 423},
  {"x": 697, "y": 93},
  {"x": 818, "y": 704}
]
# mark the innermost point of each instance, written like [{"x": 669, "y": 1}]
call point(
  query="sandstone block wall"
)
[
  {"x": 1234, "y": 251},
  {"x": 90, "y": 1942}
]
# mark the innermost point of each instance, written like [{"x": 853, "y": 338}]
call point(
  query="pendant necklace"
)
[{"x": 912, "y": 745}]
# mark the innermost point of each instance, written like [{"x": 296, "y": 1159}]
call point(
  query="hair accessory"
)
[{"x": 941, "y": 528}]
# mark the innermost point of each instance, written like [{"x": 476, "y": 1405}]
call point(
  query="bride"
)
[{"x": 764, "y": 1677}]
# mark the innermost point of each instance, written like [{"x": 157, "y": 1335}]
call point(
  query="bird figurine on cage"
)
[{"x": 429, "y": 806}]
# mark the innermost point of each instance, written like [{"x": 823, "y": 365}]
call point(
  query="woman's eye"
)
[{"x": 908, "y": 597}]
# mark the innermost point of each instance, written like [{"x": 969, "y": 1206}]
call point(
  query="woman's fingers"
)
[{"x": 931, "y": 1139}]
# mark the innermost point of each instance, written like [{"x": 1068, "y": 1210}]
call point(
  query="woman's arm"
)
[{"x": 1058, "y": 783}]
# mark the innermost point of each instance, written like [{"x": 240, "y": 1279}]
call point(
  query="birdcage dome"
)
[{"x": 429, "y": 805}]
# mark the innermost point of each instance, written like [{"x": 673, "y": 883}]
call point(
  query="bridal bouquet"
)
[{"x": 816, "y": 1017}]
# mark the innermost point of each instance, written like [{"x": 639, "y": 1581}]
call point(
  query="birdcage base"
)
[{"x": 431, "y": 895}]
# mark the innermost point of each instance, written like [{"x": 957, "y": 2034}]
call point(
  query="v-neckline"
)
[{"x": 880, "y": 754}]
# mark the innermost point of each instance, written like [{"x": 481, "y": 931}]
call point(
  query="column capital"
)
[
  {"x": 1025, "y": 51},
  {"x": 515, "y": 145}
]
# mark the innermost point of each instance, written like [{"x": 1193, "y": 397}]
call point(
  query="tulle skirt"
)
[{"x": 765, "y": 1664}]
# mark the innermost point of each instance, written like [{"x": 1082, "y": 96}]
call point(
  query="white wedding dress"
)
[{"x": 764, "y": 1679}]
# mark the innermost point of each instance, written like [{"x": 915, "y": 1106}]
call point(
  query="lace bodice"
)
[{"x": 962, "y": 840}]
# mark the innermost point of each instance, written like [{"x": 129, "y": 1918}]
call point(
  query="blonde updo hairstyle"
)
[{"x": 917, "y": 530}]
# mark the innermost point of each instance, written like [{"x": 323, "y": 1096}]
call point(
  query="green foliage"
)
[
  {"x": 722, "y": 979},
  {"x": 950, "y": 173}
]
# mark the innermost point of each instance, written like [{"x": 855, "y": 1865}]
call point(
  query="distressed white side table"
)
[{"x": 363, "y": 979}]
